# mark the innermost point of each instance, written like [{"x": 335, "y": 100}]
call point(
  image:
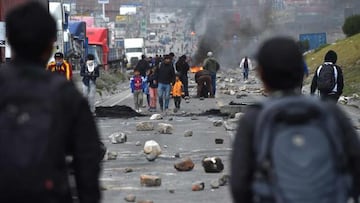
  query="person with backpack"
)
[
  {"x": 292, "y": 148},
  {"x": 43, "y": 119},
  {"x": 213, "y": 67},
  {"x": 328, "y": 79},
  {"x": 246, "y": 65},
  {"x": 137, "y": 86},
  {"x": 90, "y": 71}
]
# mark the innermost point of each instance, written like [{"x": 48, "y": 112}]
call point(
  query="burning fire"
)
[{"x": 195, "y": 69}]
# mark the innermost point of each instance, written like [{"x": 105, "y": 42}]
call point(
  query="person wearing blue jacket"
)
[{"x": 137, "y": 85}]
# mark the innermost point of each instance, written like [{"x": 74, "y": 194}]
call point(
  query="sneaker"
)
[{"x": 175, "y": 110}]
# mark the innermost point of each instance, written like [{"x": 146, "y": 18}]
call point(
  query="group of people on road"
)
[
  {"x": 170, "y": 78},
  {"x": 289, "y": 148}
]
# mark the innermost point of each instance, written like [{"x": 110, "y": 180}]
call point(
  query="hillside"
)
[{"x": 348, "y": 51}]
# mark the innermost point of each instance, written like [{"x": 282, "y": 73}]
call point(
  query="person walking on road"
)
[
  {"x": 165, "y": 77},
  {"x": 204, "y": 84},
  {"x": 153, "y": 92},
  {"x": 182, "y": 67},
  {"x": 213, "y": 67},
  {"x": 143, "y": 66},
  {"x": 43, "y": 119},
  {"x": 246, "y": 65},
  {"x": 289, "y": 142},
  {"x": 137, "y": 88},
  {"x": 90, "y": 71},
  {"x": 328, "y": 79},
  {"x": 60, "y": 66},
  {"x": 177, "y": 92}
]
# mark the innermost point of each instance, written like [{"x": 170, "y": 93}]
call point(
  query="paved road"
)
[{"x": 118, "y": 184}]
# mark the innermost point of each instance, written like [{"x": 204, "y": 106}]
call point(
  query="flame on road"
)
[{"x": 195, "y": 69}]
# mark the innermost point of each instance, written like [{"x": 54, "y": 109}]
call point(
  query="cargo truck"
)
[{"x": 134, "y": 48}]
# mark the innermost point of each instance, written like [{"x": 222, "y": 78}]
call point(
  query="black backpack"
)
[
  {"x": 299, "y": 153},
  {"x": 27, "y": 144},
  {"x": 326, "y": 79}
]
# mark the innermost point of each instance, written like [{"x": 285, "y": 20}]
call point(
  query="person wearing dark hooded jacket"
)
[
  {"x": 335, "y": 93},
  {"x": 90, "y": 71},
  {"x": 182, "y": 67},
  {"x": 165, "y": 77}
]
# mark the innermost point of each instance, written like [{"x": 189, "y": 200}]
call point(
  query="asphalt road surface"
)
[{"x": 176, "y": 186}]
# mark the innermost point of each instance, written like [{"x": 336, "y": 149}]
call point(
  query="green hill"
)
[{"x": 348, "y": 51}]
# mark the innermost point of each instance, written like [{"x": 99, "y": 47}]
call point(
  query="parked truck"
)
[
  {"x": 78, "y": 49},
  {"x": 98, "y": 40},
  {"x": 134, "y": 48},
  {"x": 60, "y": 13}
]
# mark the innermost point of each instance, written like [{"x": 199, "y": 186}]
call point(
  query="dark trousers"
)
[
  {"x": 204, "y": 82},
  {"x": 213, "y": 84},
  {"x": 332, "y": 97},
  {"x": 177, "y": 102},
  {"x": 185, "y": 82}
]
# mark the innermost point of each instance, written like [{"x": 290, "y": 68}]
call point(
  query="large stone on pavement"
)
[
  {"x": 150, "y": 180},
  {"x": 198, "y": 186},
  {"x": 231, "y": 124},
  {"x": 110, "y": 155},
  {"x": 215, "y": 184},
  {"x": 184, "y": 165},
  {"x": 145, "y": 126},
  {"x": 118, "y": 137},
  {"x": 152, "y": 150},
  {"x": 238, "y": 115},
  {"x": 212, "y": 164},
  {"x": 130, "y": 198},
  {"x": 156, "y": 117},
  {"x": 218, "y": 123},
  {"x": 165, "y": 128},
  {"x": 188, "y": 133},
  {"x": 224, "y": 180}
]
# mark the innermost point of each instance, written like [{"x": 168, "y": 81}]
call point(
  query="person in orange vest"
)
[
  {"x": 60, "y": 66},
  {"x": 177, "y": 92}
]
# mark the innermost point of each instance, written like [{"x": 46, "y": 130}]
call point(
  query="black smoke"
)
[{"x": 231, "y": 31}]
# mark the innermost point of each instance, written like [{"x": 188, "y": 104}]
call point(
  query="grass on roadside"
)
[{"x": 109, "y": 80}]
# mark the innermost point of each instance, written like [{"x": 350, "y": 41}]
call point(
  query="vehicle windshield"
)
[
  {"x": 132, "y": 50},
  {"x": 97, "y": 52}
]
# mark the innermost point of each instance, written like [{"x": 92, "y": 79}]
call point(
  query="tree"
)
[{"x": 351, "y": 25}]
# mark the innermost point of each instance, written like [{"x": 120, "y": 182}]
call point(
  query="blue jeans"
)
[
  {"x": 89, "y": 93},
  {"x": 246, "y": 73},
  {"x": 213, "y": 82},
  {"x": 164, "y": 94}
]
